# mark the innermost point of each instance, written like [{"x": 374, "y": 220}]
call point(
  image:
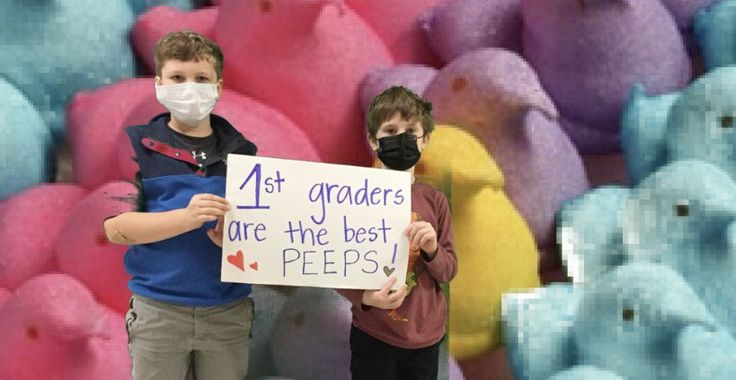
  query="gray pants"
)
[{"x": 168, "y": 341}]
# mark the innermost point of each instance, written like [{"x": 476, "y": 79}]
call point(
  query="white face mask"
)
[{"x": 188, "y": 102}]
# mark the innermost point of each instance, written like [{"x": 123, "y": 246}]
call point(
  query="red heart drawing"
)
[
  {"x": 237, "y": 260},
  {"x": 254, "y": 265}
]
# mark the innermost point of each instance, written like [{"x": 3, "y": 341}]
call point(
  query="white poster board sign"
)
[{"x": 304, "y": 223}]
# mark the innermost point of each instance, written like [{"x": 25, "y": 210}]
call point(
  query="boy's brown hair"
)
[
  {"x": 187, "y": 45},
  {"x": 399, "y": 99}
]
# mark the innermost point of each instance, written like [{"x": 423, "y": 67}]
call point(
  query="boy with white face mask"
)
[{"x": 182, "y": 320}]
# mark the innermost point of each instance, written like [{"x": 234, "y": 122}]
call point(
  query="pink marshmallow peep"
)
[
  {"x": 29, "y": 228},
  {"x": 45, "y": 327},
  {"x": 84, "y": 252},
  {"x": 399, "y": 24},
  {"x": 306, "y": 58},
  {"x": 158, "y": 21},
  {"x": 95, "y": 120}
]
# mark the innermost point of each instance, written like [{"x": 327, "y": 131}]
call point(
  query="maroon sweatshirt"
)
[{"x": 420, "y": 320}]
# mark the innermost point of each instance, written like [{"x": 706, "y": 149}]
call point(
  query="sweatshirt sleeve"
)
[{"x": 443, "y": 267}]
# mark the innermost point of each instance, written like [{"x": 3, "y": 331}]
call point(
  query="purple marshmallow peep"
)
[
  {"x": 589, "y": 53},
  {"x": 496, "y": 95},
  {"x": 456, "y": 27},
  {"x": 310, "y": 313},
  {"x": 684, "y": 11},
  {"x": 413, "y": 77}
]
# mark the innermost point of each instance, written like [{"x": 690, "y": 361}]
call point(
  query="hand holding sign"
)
[
  {"x": 423, "y": 235},
  {"x": 384, "y": 298},
  {"x": 314, "y": 224},
  {"x": 215, "y": 234},
  {"x": 204, "y": 208}
]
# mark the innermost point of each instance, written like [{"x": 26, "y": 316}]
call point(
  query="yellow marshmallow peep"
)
[{"x": 495, "y": 248}]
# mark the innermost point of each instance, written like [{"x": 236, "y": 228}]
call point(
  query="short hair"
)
[
  {"x": 399, "y": 99},
  {"x": 187, "y": 45}
]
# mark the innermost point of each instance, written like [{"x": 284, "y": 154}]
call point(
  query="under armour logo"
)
[{"x": 201, "y": 156}]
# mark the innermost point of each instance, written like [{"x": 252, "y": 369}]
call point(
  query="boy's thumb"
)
[{"x": 387, "y": 287}]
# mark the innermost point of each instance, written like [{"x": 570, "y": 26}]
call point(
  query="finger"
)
[
  {"x": 209, "y": 196},
  {"x": 421, "y": 229},
  {"x": 407, "y": 230},
  {"x": 397, "y": 295},
  {"x": 214, "y": 237},
  {"x": 386, "y": 287},
  {"x": 410, "y": 228},
  {"x": 396, "y": 304},
  {"x": 420, "y": 234},
  {"x": 410, "y": 231},
  {"x": 212, "y": 197},
  {"x": 211, "y": 202},
  {"x": 206, "y": 218},
  {"x": 417, "y": 236},
  {"x": 393, "y": 298},
  {"x": 429, "y": 231},
  {"x": 216, "y": 212},
  {"x": 215, "y": 204},
  {"x": 426, "y": 239}
]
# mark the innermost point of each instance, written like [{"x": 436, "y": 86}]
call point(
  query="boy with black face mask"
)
[{"x": 396, "y": 334}]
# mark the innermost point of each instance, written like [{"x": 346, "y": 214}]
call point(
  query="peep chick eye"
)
[
  {"x": 627, "y": 314},
  {"x": 682, "y": 210},
  {"x": 727, "y": 122}
]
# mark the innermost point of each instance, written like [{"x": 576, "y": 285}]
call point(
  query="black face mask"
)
[{"x": 398, "y": 152}]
